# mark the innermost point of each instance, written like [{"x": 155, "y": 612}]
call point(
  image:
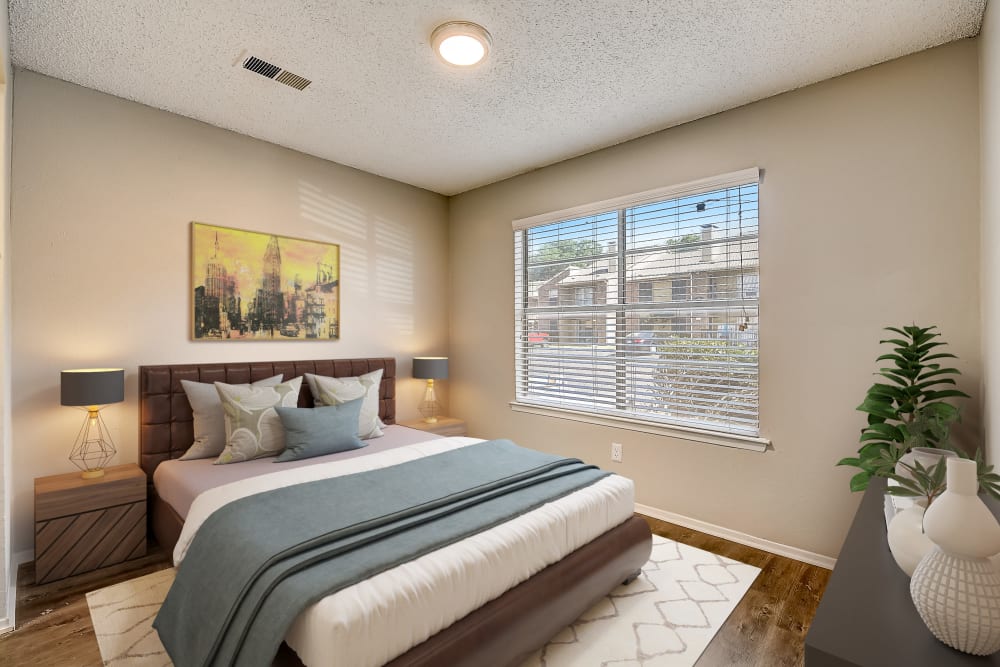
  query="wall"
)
[
  {"x": 869, "y": 213},
  {"x": 7, "y": 578},
  {"x": 989, "y": 115},
  {"x": 103, "y": 193}
]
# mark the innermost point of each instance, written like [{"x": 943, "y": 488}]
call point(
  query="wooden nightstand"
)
[
  {"x": 443, "y": 426},
  {"x": 85, "y": 524}
]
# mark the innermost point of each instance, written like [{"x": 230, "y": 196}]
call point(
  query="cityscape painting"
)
[{"x": 253, "y": 286}]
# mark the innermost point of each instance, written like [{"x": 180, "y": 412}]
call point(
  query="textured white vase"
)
[
  {"x": 907, "y": 540},
  {"x": 955, "y": 588}
]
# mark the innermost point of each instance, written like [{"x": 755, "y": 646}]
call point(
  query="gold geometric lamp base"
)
[
  {"x": 429, "y": 406},
  {"x": 93, "y": 449}
]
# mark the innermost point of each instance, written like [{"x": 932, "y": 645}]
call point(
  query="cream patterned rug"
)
[
  {"x": 664, "y": 618},
  {"x": 123, "y": 620}
]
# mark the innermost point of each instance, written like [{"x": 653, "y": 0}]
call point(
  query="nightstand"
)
[
  {"x": 86, "y": 524},
  {"x": 443, "y": 426}
]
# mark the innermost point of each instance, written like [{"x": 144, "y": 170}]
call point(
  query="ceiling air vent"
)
[{"x": 265, "y": 68}]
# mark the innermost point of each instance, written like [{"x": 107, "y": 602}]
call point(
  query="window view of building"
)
[{"x": 649, "y": 311}]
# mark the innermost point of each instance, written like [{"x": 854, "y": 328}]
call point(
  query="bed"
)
[{"x": 504, "y": 630}]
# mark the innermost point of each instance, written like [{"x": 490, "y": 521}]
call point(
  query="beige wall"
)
[
  {"x": 6, "y": 601},
  {"x": 103, "y": 194},
  {"x": 989, "y": 114},
  {"x": 869, "y": 216}
]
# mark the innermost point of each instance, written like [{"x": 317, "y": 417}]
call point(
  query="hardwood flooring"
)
[
  {"x": 769, "y": 625},
  {"x": 53, "y": 621},
  {"x": 767, "y": 628}
]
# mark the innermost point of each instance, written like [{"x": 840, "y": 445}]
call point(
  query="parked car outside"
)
[
  {"x": 538, "y": 337},
  {"x": 641, "y": 338},
  {"x": 643, "y": 341}
]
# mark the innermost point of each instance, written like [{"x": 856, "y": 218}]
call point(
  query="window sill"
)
[{"x": 723, "y": 439}]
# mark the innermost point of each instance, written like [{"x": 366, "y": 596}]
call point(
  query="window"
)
[
  {"x": 664, "y": 333},
  {"x": 584, "y": 296},
  {"x": 680, "y": 288}
]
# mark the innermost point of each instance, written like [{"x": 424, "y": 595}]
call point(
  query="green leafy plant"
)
[
  {"x": 922, "y": 482},
  {"x": 906, "y": 407},
  {"x": 928, "y": 483}
]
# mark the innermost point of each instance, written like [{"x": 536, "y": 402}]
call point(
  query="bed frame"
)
[{"x": 506, "y": 630}]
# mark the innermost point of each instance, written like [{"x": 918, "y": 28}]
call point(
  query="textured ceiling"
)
[{"x": 565, "y": 76}]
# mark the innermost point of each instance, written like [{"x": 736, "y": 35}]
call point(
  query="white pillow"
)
[
  {"x": 209, "y": 424},
  {"x": 253, "y": 427},
  {"x": 334, "y": 391}
]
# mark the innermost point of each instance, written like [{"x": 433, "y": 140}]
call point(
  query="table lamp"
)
[
  {"x": 430, "y": 369},
  {"x": 92, "y": 388}
]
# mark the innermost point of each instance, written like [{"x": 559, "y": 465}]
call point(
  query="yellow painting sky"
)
[{"x": 242, "y": 253}]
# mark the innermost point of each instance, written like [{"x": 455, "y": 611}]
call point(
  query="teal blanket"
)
[{"x": 258, "y": 562}]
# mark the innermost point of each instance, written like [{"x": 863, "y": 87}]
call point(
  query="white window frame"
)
[{"x": 733, "y": 179}]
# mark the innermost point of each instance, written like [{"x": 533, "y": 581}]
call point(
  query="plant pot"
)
[
  {"x": 907, "y": 540},
  {"x": 926, "y": 456}
]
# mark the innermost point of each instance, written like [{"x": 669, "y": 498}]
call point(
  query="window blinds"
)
[{"x": 647, "y": 310}]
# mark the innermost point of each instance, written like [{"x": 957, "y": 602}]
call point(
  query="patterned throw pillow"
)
[
  {"x": 334, "y": 391},
  {"x": 209, "y": 424},
  {"x": 253, "y": 428}
]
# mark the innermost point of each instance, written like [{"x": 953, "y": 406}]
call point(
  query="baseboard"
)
[
  {"x": 738, "y": 537},
  {"x": 8, "y": 622}
]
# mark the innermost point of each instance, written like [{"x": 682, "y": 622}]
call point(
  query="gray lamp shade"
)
[
  {"x": 430, "y": 368},
  {"x": 92, "y": 386}
]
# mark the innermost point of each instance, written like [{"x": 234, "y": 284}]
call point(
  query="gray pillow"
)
[
  {"x": 209, "y": 422},
  {"x": 317, "y": 431}
]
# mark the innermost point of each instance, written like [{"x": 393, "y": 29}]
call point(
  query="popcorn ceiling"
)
[{"x": 565, "y": 77}]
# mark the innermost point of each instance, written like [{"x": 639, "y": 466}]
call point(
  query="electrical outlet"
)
[{"x": 616, "y": 452}]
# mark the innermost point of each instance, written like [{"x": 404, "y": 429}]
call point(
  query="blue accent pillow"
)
[{"x": 317, "y": 431}]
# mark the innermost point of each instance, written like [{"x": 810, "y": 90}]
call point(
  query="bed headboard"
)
[{"x": 165, "y": 421}]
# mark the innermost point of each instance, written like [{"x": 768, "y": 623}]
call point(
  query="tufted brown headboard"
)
[{"x": 165, "y": 421}]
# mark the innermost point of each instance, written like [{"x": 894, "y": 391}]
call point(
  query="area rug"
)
[
  {"x": 123, "y": 620},
  {"x": 665, "y": 618}
]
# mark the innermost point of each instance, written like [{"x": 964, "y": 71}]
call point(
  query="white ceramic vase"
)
[
  {"x": 955, "y": 588},
  {"x": 927, "y": 456},
  {"x": 907, "y": 540}
]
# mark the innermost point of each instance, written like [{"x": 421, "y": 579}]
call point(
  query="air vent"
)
[
  {"x": 261, "y": 67},
  {"x": 293, "y": 80},
  {"x": 265, "y": 68}
]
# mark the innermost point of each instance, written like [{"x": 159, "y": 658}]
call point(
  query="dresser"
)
[{"x": 866, "y": 617}]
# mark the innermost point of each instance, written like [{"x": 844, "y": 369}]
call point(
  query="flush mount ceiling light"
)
[{"x": 461, "y": 43}]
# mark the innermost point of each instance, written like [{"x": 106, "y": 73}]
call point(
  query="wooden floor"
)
[
  {"x": 53, "y": 622},
  {"x": 768, "y": 627}
]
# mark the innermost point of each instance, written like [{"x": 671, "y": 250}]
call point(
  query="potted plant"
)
[
  {"x": 906, "y": 408},
  {"x": 925, "y": 483},
  {"x": 907, "y": 539}
]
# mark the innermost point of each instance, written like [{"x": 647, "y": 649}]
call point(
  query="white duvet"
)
[{"x": 382, "y": 617}]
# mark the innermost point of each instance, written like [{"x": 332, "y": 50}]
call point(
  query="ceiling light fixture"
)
[{"x": 461, "y": 43}]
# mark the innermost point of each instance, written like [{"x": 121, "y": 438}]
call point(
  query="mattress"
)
[
  {"x": 178, "y": 482},
  {"x": 382, "y": 617}
]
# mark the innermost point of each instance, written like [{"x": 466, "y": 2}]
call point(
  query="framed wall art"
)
[{"x": 255, "y": 286}]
